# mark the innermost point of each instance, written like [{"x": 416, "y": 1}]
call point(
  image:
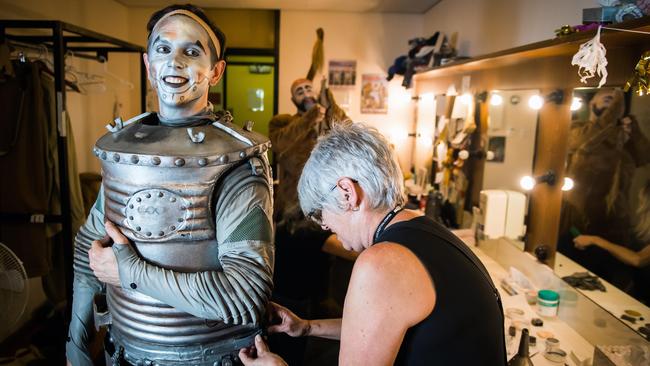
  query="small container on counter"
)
[{"x": 547, "y": 303}]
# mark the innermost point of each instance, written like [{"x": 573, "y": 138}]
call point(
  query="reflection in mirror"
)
[
  {"x": 512, "y": 128},
  {"x": 605, "y": 219}
]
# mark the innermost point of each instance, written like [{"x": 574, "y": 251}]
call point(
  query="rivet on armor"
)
[
  {"x": 148, "y": 195},
  {"x": 160, "y": 194},
  {"x": 248, "y": 125},
  {"x": 203, "y": 162},
  {"x": 96, "y": 152},
  {"x": 138, "y": 199},
  {"x": 133, "y": 285},
  {"x": 138, "y": 228},
  {"x": 172, "y": 199},
  {"x": 242, "y": 154},
  {"x": 155, "y": 160},
  {"x": 131, "y": 206},
  {"x": 179, "y": 162},
  {"x": 134, "y": 159},
  {"x": 161, "y": 233},
  {"x": 103, "y": 155},
  {"x": 131, "y": 218},
  {"x": 116, "y": 157},
  {"x": 148, "y": 233},
  {"x": 173, "y": 228},
  {"x": 223, "y": 159}
]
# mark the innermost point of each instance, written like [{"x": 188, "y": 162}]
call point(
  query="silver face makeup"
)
[{"x": 180, "y": 66}]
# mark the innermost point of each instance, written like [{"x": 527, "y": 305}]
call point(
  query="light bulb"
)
[
  {"x": 568, "y": 184},
  {"x": 536, "y": 102},
  {"x": 527, "y": 183},
  {"x": 576, "y": 103},
  {"x": 496, "y": 99},
  {"x": 489, "y": 155},
  {"x": 463, "y": 154},
  {"x": 466, "y": 98}
]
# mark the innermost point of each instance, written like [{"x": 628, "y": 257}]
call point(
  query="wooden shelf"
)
[{"x": 560, "y": 46}]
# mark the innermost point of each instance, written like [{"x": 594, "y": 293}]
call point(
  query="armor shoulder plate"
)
[{"x": 142, "y": 141}]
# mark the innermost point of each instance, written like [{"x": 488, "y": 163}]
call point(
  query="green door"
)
[{"x": 249, "y": 90}]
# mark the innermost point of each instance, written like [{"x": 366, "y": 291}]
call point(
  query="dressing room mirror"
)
[
  {"x": 605, "y": 218},
  {"x": 511, "y": 135}
]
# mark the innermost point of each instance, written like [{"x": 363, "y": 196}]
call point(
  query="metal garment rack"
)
[{"x": 84, "y": 43}]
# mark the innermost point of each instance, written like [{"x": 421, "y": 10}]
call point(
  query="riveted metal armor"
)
[{"x": 159, "y": 185}]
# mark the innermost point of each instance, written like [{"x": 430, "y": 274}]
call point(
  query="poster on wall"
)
[
  {"x": 374, "y": 93},
  {"x": 342, "y": 73}
]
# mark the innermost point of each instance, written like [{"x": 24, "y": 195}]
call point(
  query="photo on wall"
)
[
  {"x": 374, "y": 94},
  {"x": 497, "y": 145},
  {"x": 342, "y": 73}
]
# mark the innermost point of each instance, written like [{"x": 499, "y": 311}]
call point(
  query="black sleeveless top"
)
[{"x": 466, "y": 324}]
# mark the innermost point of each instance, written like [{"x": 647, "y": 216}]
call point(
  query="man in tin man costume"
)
[{"x": 186, "y": 201}]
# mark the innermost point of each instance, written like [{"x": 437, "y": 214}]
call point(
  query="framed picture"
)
[
  {"x": 374, "y": 94},
  {"x": 497, "y": 144},
  {"x": 342, "y": 73}
]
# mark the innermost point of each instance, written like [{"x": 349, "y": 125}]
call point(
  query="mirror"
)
[
  {"x": 605, "y": 218},
  {"x": 511, "y": 135}
]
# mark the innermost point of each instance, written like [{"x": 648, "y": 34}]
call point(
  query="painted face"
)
[
  {"x": 303, "y": 96},
  {"x": 180, "y": 66}
]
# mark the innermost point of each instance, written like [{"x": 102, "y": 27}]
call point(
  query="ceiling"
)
[{"x": 359, "y": 6}]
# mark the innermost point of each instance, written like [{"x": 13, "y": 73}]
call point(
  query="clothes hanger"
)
[{"x": 122, "y": 81}]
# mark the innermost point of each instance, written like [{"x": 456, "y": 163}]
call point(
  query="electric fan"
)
[{"x": 13, "y": 291}]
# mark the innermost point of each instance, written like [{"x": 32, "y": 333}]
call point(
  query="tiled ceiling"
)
[{"x": 379, "y": 6}]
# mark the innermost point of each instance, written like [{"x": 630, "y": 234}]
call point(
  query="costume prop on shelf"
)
[
  {"x": 591, "y": 60},
  {"x": 639, "y": 81},
  {"x": 423, "y": 53}
]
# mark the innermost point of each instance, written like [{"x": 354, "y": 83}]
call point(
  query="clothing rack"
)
[{"x": 87, "y": 44}]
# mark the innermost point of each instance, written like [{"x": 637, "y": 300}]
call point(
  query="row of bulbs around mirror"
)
[{"x": 536, "y": 101}]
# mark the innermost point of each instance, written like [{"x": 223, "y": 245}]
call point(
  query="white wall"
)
[
  {"x": 374, "y": 40},
  {"x": 486, "y": 26}
]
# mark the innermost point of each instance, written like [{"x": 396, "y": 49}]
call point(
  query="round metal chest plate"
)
[{"x": 156, "y": 213}]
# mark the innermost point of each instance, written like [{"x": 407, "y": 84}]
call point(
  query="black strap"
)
[{"x": 382, "y": 225}]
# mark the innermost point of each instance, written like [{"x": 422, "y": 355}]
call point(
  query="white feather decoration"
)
[{"x": 591, "y": 60}]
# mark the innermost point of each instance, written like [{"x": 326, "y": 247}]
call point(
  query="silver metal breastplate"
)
[{"x": 159, "y": 184}]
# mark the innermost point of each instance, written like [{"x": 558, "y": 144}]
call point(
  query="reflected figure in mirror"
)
[
  {"x": 605, "y": 149},
  {"x": 636, "y": 255}
]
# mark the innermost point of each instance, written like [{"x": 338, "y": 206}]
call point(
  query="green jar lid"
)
[{"x": 548, "y": 295}]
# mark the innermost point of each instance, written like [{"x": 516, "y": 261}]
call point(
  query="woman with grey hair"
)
[{"x": 418, "y": 295}]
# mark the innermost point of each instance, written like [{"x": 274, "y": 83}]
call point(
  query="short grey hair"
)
[{"x": 358, "y": 152}]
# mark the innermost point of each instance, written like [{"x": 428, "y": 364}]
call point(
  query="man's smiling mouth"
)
[{"x": 174, "y": 81}]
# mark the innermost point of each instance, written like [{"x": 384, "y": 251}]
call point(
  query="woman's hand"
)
[
  {"x": 584, "y": 241},
  {"x": 259, "y": 355},
  {"x": 290, "y": 323}
]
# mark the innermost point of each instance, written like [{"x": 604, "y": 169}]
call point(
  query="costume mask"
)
[{"x": 180, "y": 66}]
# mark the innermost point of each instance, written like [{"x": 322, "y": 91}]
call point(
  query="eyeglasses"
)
[{"x": 316, "y": 215}]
